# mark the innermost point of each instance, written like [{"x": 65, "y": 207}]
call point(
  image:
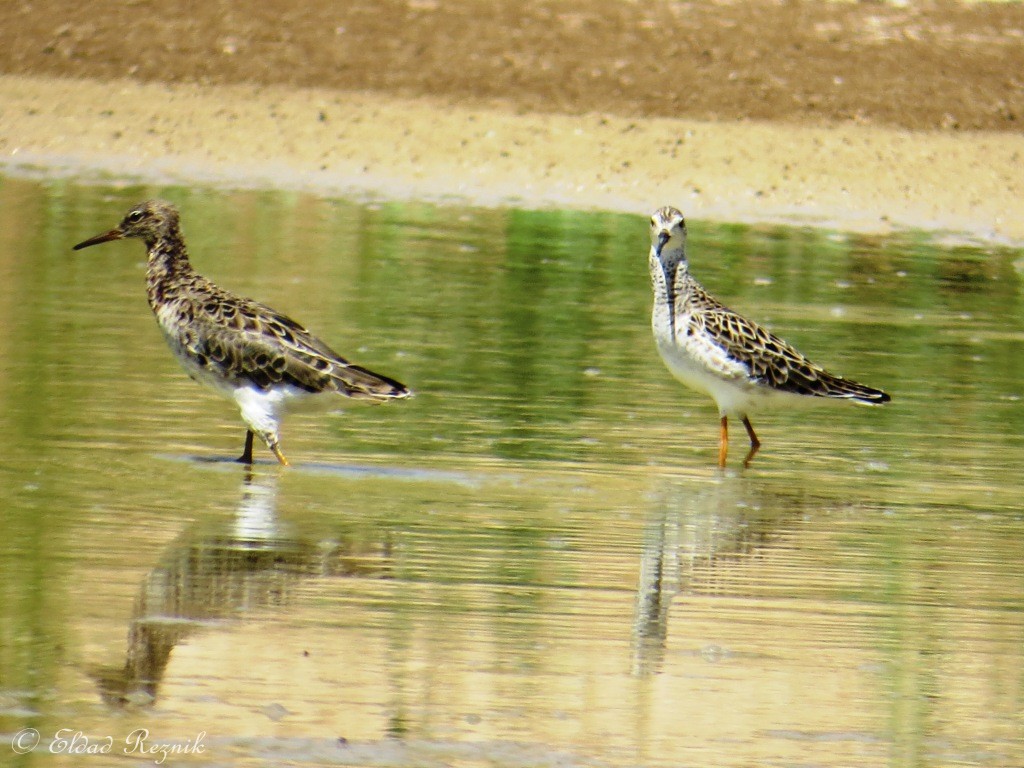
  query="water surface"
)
[{"x": 534, "y": 561}]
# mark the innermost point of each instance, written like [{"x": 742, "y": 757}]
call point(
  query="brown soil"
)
[{"x": 926, "y": 66}]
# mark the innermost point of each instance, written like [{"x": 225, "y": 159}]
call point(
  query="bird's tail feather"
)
[
  {"x": 363, "y": 384},
  {"x": 838, "y": 387}
]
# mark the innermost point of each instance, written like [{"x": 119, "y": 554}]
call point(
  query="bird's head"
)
[
  {"x": 667, "y": 260},
  {"x": 149, "y": 221},
  {"x": 668, "y": 235}
]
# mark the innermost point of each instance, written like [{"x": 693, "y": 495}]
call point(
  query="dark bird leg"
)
[
  {"x": 246, "y": 457},
  {"x": 755, "y": 444},
  {"x": 723, "y": 442}
]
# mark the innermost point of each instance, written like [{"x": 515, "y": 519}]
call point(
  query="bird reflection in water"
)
[
  {"x": 692, "y": 533},
  {"x": 254, "y": 562}
]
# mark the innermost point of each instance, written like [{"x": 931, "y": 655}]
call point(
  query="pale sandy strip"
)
[{"x": 851, "y": 177}]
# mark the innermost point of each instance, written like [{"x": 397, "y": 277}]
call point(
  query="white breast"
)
[{"x": 705, "y": 367}]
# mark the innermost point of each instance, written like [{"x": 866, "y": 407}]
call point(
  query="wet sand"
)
[{"x": 234, "y": 100}]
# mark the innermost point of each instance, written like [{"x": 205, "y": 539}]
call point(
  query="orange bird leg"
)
[
  {"x": 280, "y": 456},
  {"x": 723, "y": 442},
  {"x": 754, "y": 442}
]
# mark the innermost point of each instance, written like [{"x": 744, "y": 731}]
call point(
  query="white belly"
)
[
  {"x": 261, "y": 409},
  {"x": 705, "y": 368}
]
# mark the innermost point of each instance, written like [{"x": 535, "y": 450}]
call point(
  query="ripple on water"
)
[{"x": 535, "y": 561}]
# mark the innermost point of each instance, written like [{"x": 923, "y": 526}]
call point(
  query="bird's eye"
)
[{"x": 135, "y": 217}]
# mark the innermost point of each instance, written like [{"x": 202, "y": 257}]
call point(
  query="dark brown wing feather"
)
[
  {"x": 774, "y": 362},
  {"x": 251, "y": 341}
]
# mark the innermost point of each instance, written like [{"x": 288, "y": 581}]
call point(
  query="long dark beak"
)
[
  {"x": 663, "y": 237},
  {"x": 106, "y": 237}
]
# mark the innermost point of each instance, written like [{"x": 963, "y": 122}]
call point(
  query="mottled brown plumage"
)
[
  {"x": 714, "y": 350},
  {"x": 245, "y": 350}
]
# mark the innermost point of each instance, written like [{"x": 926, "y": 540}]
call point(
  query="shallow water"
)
[{"x": 535, "y": 561}]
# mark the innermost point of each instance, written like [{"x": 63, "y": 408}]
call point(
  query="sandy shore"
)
[{"x": 857, "y": 178}]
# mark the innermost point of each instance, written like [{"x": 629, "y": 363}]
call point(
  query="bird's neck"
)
[
  {"x": 669, "y": 277},
  {"x": 168, "y": 265}
]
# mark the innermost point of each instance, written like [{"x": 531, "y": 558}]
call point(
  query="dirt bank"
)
[
  {"x": 919, "y": 65},
  {"x": 865, "y": 115}
]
